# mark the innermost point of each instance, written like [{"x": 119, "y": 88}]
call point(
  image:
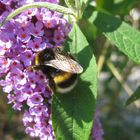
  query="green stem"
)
[
  {"x": 102, "y": 57},
  {"x": 118, "y": 76},
  {"x": 48, "y": 5},
  {"x": 128, "y": 69},
  {"x": 78, "y": 9}
]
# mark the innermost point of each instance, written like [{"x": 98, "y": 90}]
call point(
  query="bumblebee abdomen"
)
[{"x": 65, "y": 82}]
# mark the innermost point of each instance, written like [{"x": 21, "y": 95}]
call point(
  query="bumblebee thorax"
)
[{"x": 44, "y": 56}]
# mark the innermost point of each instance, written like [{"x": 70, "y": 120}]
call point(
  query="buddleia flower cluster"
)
[{"x": 20, "y": 40}]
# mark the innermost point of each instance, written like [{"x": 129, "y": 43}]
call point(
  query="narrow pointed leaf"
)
[
  {"x": 135, "y": 96},
  {"x": 72, "y": 113},
  {"x": 85, "y": 2},
  {"x": 70, "y": 3}
]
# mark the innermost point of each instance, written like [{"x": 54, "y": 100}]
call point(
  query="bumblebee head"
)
[{"x": 43, "y": 56}]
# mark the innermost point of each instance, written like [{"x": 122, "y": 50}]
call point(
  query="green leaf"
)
[
  {"x": 91, "y": 32},
  {"x": 135, "y": 96},
  {"x": 72, "y": 113},
  {"x": 70, "y": 3},
  {"x": 105, "y": 5},
  {"x": 80, "y": 7},
  {"x": 123, "y": 7},
  {"x": 115, "y": 7},
  {"x": 125, "y": 37},
  {"x": 48, "y": 5},
  {"x": 84, "y": 4}
]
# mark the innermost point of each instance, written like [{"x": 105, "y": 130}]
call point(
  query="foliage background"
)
[{"x": 119, "y": 122}]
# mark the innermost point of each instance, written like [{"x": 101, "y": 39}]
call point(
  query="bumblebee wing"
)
[
  {"x": 66, "y": 66},
  {"x": 65, "y": 63}
]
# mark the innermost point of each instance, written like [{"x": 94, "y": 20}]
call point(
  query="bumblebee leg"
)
[
  {"x": 36, "y": 67},
  {"x": 52, "y": 84}
]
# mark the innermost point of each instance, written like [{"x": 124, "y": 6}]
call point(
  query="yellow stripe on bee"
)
[
  {"x": 37, "y": 60},
  {"x": 61, "y": 78}
]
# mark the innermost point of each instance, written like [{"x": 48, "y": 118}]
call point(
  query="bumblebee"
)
[{"x": 60, "y": 69}]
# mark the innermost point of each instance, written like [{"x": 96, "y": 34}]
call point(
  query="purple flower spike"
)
[
  {"x": 21, "y": 39},
  {"x": 98, "y": 131}
]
